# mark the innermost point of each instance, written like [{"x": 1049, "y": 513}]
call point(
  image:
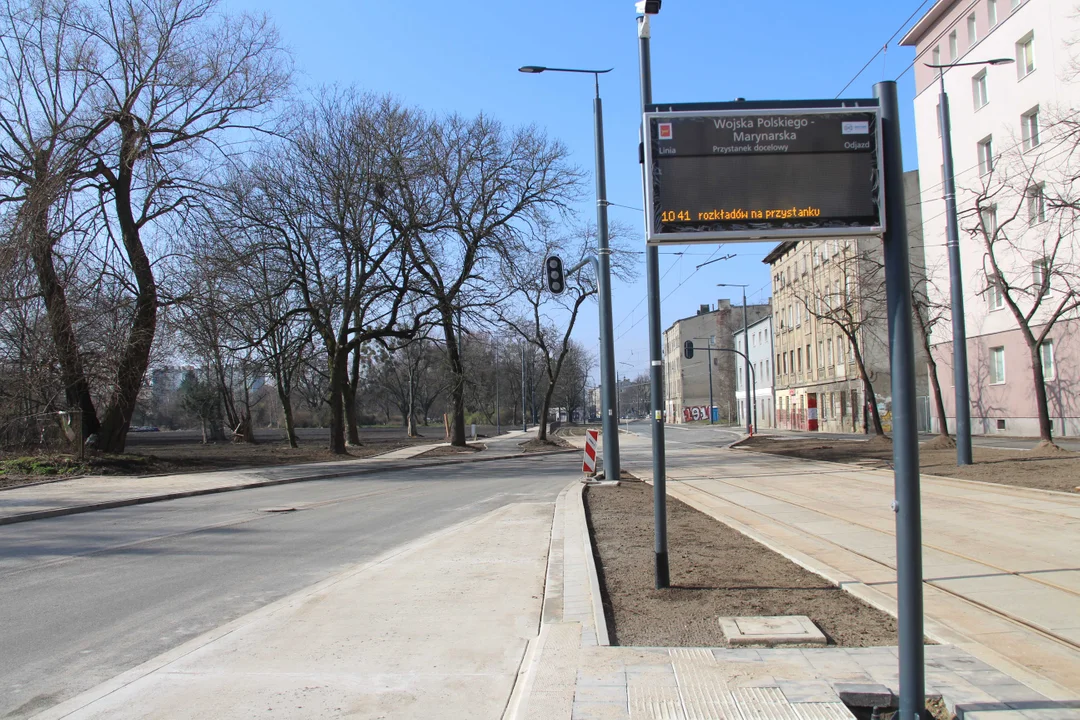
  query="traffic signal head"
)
[
  {"x": 553, "y": 271},
  {"x": 688, "y": 349}
]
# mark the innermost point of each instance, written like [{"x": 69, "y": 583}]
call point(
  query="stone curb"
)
[
  {"x": 577, "y": 498},
  {"x": 362, "y": 470}
]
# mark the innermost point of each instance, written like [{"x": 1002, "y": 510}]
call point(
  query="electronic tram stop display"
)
[{"x": 745, "y": 172}]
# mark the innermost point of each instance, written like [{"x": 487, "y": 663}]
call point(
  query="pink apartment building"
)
[{"x": 1016, "y": 145}]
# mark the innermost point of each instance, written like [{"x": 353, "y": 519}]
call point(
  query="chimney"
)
[{"x": 703, "y": 308}]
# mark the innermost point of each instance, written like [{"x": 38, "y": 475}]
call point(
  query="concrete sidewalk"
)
[
  {"x": 1000, "y": 562},
  {"x": 436, "y": 629},
  {"x": 95, "y": 492}
]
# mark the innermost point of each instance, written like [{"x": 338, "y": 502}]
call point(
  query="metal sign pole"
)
[
  {"x": 905, "y": 429},
  {"x": 656, "y": 350}
]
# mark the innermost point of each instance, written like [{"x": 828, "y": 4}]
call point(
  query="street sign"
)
[{"x": 761, "y": 173}]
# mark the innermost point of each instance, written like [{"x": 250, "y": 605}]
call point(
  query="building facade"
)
[
  {"x": 686, "y": 381},
  {"x": 1013, "y": 145},
  {"x": 762, "y": 352}
]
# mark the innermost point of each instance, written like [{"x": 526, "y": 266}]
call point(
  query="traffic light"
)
[
  {"x": 688, "y": 349},
  {"x": 554, "y": 271}
]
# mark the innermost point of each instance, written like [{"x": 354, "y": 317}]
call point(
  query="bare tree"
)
[
  {"x": 311, "y": 201},
  {"x": 490, "y": 186},
  {"x": 851, "y": 300},
  {"x": 929, "y": 313},
  {"x": 1025, "y": 217},
  {"x": 547, "y": 321}
]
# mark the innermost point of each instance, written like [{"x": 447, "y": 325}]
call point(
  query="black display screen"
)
[{"x": 726, "y": 176}]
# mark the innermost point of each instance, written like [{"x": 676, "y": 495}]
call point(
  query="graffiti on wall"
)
[{"x": 695, "y": 412}]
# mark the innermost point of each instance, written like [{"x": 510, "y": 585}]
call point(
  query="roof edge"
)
[{"x": 919, "y": 29}]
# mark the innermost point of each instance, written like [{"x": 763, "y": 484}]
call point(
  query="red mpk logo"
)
[{"x": 665, "y": 131}]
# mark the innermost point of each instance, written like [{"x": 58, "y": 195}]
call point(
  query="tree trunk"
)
[
  {"x": 410, "y": 415},
  {"x": 76, "y": 386},
  {"x": 135, "y": 357},
  {"x": 1046, "y": 428},
  {"x": 931, "y": 364},
  {"x": 339, "y": 367},
  {"x": 868, "y": 390},
  {"x": 939, "y": 402},
  {"x": 545, "y": 408},
  {"x": 457, "y": 389},
  {"x": 287, "y": 411},
  {"x": 350, "y": 398}
]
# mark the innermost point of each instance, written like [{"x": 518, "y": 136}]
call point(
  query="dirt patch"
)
[
  {"x": 444, "y": 450},
  {"x": 1047, "y": 467},
  {"x": 23, "y": 469},
  {"x": 554, "y": 442},
  {"x": 715, "y": 571}
]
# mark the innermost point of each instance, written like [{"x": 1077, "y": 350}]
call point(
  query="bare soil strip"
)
[
  {"x": 1041, "y": 468},
  {"x": 715, "y": 571}
]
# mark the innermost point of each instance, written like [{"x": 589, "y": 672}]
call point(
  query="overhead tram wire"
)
[{"x": 883, "y": 47}]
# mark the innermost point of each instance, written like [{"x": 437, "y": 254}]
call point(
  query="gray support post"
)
[
  {"x": 709, "y": 360},
  {"x": 656, "y": 349},
  {"x": 524, "y": 423},
  {"x": 603, "y": 281},
  {"x": 956, "y": 288},
  {"x": 498, "y": 414},
  {"x": 746, "y": 346},
  {"x": 905, "y": 427}
]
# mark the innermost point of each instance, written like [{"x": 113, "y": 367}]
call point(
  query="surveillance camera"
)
[{"x": 648, "y": 7}]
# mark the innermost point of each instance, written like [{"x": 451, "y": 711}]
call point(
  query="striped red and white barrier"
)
[{"x": 589, "y": 465}]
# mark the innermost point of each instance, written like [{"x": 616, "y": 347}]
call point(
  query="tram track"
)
[{"x": 1035, "y": 627}]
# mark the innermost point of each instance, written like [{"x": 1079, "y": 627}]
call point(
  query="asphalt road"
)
[{"x": 86, "y": 597}]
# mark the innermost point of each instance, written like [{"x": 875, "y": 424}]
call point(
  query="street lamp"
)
[
  {"x": 618, "y": 391},
  {"x": 956, "y": 282},
  {"x": 746, "y": 343},
  {"x": 609, "y": 399}
]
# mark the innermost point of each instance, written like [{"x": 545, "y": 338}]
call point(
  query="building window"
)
[
  {"x": 995, "y": 297},
  {"x": 1029, "y": 128},
  {"x": 799, "y": 356},
  {"x": 991, "y": 12},
  {"x": 798, "y": 316},
  {"x": 1025, "y": 56},
  {"x": 1040, "y": 277},
  {"x": 978, "y": 90},
  {"x": 935, "y": 55},
  {"x": 1036, "y": 205},
  {"x": 828, "y": 350},
  {"x": 780, "y": 364},
  {"x": 1013, "y": 4},
  {"x": 972, "y": 27},
  {"x": 953, "y": 50},
  {"x": 989, "y": 220},
  {"x": 986, "y": 155},
  {"x": 821, "y": 353},
  {"x": 997, "y": 365},
  {"x": 1046, "y": 354}
]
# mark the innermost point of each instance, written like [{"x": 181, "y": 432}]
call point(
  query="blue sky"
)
[{"x": 463, "y": 57}]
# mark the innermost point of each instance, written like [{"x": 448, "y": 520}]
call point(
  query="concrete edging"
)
[
  {"x": 361, "y": 470},
  {"x": 599, "y": 620}
]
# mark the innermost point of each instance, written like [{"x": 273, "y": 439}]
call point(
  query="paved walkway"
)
[
  {"x": 433, "y": 630},
  {"x": 571, "y": 674},
  {"x": 1000, "y": 562},
  {"x": 111, "y": 491}
]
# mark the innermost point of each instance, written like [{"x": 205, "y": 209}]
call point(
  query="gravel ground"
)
[
  {"x": 715, "y": 571},
  {"x": 1041, "y": 468}
]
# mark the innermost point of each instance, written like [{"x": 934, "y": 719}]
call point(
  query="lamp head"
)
[
  {"x": 1001, "y": 61},
  {"x": 648, "y": 7},
  {"x": 532, "y": 69}
]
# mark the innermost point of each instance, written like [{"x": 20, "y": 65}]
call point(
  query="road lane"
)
[{"x": 85, "y": 597}]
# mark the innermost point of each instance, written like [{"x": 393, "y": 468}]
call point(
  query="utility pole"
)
[
  {"x": 656, "y": 338},
  {"x": 498, "y": 414},
  {"x": 524, "y": 424},
  {"x": 907, "y": 504}
]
